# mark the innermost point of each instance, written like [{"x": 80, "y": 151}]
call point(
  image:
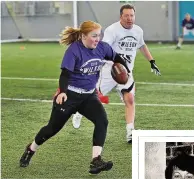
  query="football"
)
[{"x": 119, "y": 73}]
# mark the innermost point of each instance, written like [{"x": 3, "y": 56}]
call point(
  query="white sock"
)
[
  {"x": 179, "y": 45},
  {"x": 130, "y": 126},
  {"x": 34, "y": 146},
  {"x": 96, "y": 151}
]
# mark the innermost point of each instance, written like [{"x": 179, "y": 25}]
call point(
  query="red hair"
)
[{"x": 70, "y": 34}]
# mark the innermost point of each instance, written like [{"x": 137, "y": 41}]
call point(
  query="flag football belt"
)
[{"x": 80, "y": 90}]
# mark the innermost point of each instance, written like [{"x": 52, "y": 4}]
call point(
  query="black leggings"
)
[{"x": 87, "y": 105}]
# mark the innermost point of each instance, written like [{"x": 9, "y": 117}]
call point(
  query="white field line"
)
[
  {"x": 52, "y": 79},
  {"x": 32, "y": 79},
  {"x": 113, "y": 104},
  {"x": 167, "y": 47},
  {"x": 170, "y": 84}
]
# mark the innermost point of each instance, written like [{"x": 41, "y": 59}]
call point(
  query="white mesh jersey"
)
[{"x": 124, "y": 41}]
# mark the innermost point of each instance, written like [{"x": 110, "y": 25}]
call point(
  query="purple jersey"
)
[
  {"x": 188, "y": 24},
  {"x": 85, "y": 64}
]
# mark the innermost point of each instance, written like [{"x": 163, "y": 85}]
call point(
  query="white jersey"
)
[{"x": 124, "y": 41}]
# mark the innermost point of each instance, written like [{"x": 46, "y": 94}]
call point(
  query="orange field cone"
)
[{"x": 22, "y": 47}]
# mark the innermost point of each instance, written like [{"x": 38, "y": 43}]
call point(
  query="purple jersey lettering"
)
[{"x": 85, "y": 64}]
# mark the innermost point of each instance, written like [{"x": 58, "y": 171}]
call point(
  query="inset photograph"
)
[
  {"x": 163, "y": 155},
  {"x": 179, "y": 160}
]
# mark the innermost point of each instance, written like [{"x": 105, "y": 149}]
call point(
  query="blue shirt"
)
[
  {"x": 85, "y": 64},
  {"x": 188, "y": 24}
]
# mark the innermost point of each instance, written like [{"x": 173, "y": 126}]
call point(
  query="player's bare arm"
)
[{"x": 145, "y": 51}]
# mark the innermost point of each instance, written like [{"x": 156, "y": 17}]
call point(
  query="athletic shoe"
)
[
  {"x": 27, "y": 155},
  {"x": 177, "y": 48},
  {"x": 97, "y": 165},
  {"x": 76, "y": 121}
]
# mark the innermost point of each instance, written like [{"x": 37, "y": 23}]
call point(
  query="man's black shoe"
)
[
  {"x": 129, "y": 141},
  {"x": 178, "y": 48}
]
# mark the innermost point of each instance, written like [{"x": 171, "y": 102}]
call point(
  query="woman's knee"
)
[
  {"x": 102, "y": 120},
  {"x": 105, "y": 123}
]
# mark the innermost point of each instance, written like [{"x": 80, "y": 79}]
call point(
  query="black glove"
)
[
  {"x": 119, "y": 59},
  {"x": 154, "y": 68}
]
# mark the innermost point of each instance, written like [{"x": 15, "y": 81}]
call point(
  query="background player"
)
[{"x": 187, "y": 27}]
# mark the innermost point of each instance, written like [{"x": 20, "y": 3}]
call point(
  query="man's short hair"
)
[{"x": 126, "y": 6}]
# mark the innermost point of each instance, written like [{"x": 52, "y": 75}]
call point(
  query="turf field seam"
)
[
  {"x": 140, "y": 82},
  {"x": 113, "y": 104}
]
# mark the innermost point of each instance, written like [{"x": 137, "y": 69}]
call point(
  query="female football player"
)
[{"x": 80, "y": 69}]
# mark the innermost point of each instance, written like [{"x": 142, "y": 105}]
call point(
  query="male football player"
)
[
  {"x": 187, "y": 27},
  {"x": 125, "y": 38}
]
